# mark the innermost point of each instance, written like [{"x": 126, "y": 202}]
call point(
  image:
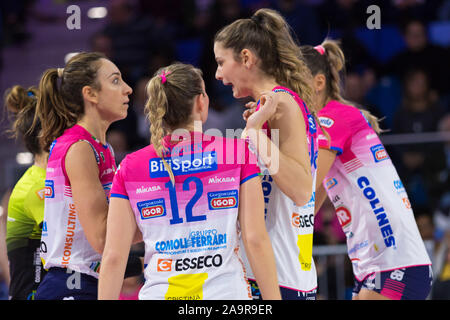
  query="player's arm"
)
[
  {"x": 256, "y": 239},
  {"x": 4, "y": 267},
  {"x": 325, "y": 160},
  {"x": 88, "y": 195},
  {"x": 120, "y": 233},
  {"x": 288, "y": 162}
]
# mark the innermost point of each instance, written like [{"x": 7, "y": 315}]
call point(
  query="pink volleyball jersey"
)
[
  {"x": 368, "y": 195},
  {"x": 64, "y": 243},
  {"x": 291, "y": 227},
  {"x": 190, "y": 229}
]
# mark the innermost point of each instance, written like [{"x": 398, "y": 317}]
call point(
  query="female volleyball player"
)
[
  {"x": 388, "y": 255},
  {"x": 186, "y": 193},
  {"x": 259, "y": 58},
  {"x": 76, "y": 105},
  {"x": 26, "y": 202}
]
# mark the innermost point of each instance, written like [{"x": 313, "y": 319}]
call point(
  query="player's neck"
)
[
  {"x": 195, "y": 126},
  {"x": 95, "y": 128},
  {"x": 40, "y": 160},
  {"x": 266, "y": 84}
]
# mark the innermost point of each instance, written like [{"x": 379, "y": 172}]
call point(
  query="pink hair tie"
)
[
  {"x": 163, "y": 76},
  {"x": 320, "y": 49}
]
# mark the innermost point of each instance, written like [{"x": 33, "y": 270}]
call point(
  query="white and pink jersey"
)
[
  {"x": 64, "y": 243},
  {"x": 368, "y": 195},
  {"x": 190, "y": 229},
  {"x": 291, "y": 227}
]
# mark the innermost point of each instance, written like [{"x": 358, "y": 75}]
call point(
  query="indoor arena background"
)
[{"x": 403, "y": 58}]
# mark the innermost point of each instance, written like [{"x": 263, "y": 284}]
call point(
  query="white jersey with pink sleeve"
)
[
  {"x": 190, "y": 229},
  {"x": 368, "y": 195},
  {"x": 291, "y": 227},
  {"x": 64, "y": 243}
]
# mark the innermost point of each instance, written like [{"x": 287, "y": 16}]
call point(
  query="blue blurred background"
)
[{"x": 399, "y": 72}]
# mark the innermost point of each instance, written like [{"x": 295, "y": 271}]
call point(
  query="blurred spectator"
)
[
  {"x": 441, "y": 271},
  {"x": 100, "y": 42},
  {"x": 169, "y": 10},
  {"x": 142, "y": 36},
  {"x": 419, "y": 53},
  {"x": 143, "y": 124},
  {"x": 386, "y": 95},
  {"x": 158, "y": 60},
  {"x": 14, "y": 16},
  {"x": 223, "y": 116},
  {"x": 118, "y": 141},
  {"x": 128, "y": 128},
  {"x": 254, "y": 5},
  {"x": 439, "y": 254},
  {"x": 357, "y": 85},
  {"x": 418, "y": 164},
  {"x": 134, "y": 37},
  {"x": 444, "y": 11},
  {"x": 442, "y": 214},
  {"x": 222, "y": 13},
  {"x": 425, "y": 225},
  {"x": 327, "y": 229},
  {"x": 303, "y": 19},
  {"x": 406, "y": 9},
  {"x": 343, "y": 14},
  {"x": 131, "y": 287}
]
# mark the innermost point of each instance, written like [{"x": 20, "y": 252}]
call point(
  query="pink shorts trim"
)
[{"x": 387, "y": 270}]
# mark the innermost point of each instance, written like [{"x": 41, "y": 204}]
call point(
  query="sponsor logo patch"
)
[
  {"x": 330, "y": 183},
  {"x": 326, "y": 122},
  {"x": 152, "y": 208},
  {"x": 164, "y": 265},
  {"x": 49, "y": 189},
  {"x": 379, "y": 153},
  {"x": 344, "y": 216},
  {"x": 223, "y": 200}
]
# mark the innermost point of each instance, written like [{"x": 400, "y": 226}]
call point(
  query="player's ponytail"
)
[
  {"x": 60, "y": 104},
  {"x": 156, "y": 108},
  {"x": 21, "y": 104},
  {"x": 269, "y": 36},
  {"x": 171, "y": 94},
  {"x": 329, "y": 60}
]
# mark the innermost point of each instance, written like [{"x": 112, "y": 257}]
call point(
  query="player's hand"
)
[
  {"x": 251, "y": 108},
  {"x": 268, "y": 107}
]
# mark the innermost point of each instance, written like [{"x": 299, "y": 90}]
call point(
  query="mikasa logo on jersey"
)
[
  {"x": 217, "y": 179},
  {"x": 143, "y": 189}
]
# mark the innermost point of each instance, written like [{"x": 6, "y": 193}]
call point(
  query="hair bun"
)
[
  {"x": 257, "y": 18},
  {"x": 18, "y": 98},
  {"x": 15, "y": 98}
]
